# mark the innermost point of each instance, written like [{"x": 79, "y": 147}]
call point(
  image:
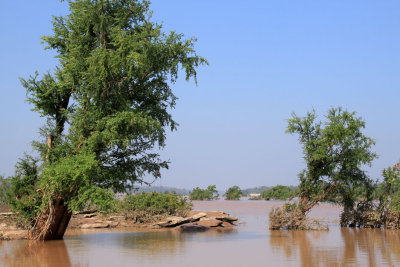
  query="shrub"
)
[
  {"x": 22, "y": 195},
  {"x": 385, "y": 213},
  {"x": 147, "y": 207},
  {"x": 233, "y": 193},
  {"x": 204, "y": 194},
  {"x": 290, "y": 217},
  {"x": 281, "y": 192},
  {"x": 4, "y": 187},
  {"x": 255, "y": 197}
]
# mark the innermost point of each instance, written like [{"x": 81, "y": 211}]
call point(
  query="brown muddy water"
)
[{"x": 251, "y": 244}]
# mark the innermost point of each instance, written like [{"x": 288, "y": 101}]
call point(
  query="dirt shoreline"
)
[{"x": 87, "y": 222}]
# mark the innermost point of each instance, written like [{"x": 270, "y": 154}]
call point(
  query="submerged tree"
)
[
  {"x": 233, "y": 193},
  {"x": 281, "y": 192},
  {"x": 204, "y": 194},
  {"x": 107, "y": 105},
  {"x": 386, "y": 212},
  {"x": 334, "y": 152}
]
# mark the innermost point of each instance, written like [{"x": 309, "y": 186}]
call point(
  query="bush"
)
[
  {"x": 385, "y": 213},
  {"x": 22, "y": 195},
  {"x": 204, "y": 194},
  {"x": 4, "y": 187},
  {"x": 290, "y": 217},
  {"x": 280, "y": 192},
  {"x": 255, "y": 197},
  {"x": 148, "y": 207},
  {"x": 233, "y": 193}
]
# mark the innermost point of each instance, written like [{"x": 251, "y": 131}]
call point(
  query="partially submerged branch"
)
[{"x": 291, "y": 217}]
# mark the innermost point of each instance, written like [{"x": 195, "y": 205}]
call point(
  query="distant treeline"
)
[
  {"x": 255, "y": 190},
  {"x": 161, "y": 189},
  {"x": 210, "y": 193},
  {"x": 260, "y": 189}
]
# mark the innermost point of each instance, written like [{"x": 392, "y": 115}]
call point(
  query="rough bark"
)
[
  {"x": 49, "y": 144},
  {"x": 52, "y": 223}
]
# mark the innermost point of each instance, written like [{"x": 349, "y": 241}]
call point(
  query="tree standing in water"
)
[
  {"x": 334, "y": 153},
  {"x": 107, "y": 107},
  {"x": 233, "y": 193}
]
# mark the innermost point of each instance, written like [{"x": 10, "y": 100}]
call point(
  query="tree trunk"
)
[
  {"x": 304, "y": 205},
  {"x": 51, "y": 224}
]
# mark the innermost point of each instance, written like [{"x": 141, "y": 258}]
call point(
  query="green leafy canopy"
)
[
  {"x": 204, "y": 194},
  {"x": 334, "y": 151},
  {"x": 107, "y": 102},
  {"x": 233, "y": 193}
]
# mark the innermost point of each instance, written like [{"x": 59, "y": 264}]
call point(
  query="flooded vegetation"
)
[
  {"x": 108, "y": 106},
  {"x": 251, "y": 243}
]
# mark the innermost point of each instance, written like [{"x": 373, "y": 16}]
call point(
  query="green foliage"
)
[
  {"x": 107, "y": 105},
  {"x": 204, "y": 194},
  {"x": 281, "y": 192},
  {"x": 255, "y": 197},
  {"x": 147, "y": 206},
  {"x": 334, "y": 151},
  {"x": 4, "y": 187},
  {"x": 23, "y": 194},
  {"x": 255, "y": 190},
  {"x": 161, "y": 189},
  {"x": 233, "y": 193},
  {"x": 389, "y": 198}
]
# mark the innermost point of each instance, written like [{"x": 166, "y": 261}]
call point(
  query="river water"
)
[{"x": 250, "y": 244}]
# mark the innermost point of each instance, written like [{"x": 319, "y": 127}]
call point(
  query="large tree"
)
[
  {"x": 334, "y": 152},
  {"x": 107, "y": 105}
]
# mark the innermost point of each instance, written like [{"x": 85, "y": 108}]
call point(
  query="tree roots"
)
[
  {"x": 290, "y": 217},
  {"x": 368, "y": 215}
]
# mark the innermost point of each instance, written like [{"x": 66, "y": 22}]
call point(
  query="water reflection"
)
[
  {"x": 378, "y": 245},
  {"x": 338, "y": 247},
  {"x": 23, "y": 253},
  {"x": 109, "y": 248},
  {"x": 302, "y": 245}
]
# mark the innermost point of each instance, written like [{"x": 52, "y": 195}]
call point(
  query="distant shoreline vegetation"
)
[
  {"x": 204, "y": 194},
  {"x": 277, "y": 192},
  {"x": 160, "y": 189}
]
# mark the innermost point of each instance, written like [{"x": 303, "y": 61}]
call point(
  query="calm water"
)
[{"x": 250, "y": 244}]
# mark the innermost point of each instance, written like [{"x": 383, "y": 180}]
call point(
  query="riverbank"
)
[{"x": 13, "y": 228}]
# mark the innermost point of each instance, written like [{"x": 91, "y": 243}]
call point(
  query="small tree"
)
[
  {"x": 233, "y": 193},
  {"x": 204, "y": 194},
  {"x": 334, "y": 152},
  {"x": 281, "y": 192}
]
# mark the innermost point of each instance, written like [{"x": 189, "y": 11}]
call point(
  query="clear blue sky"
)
[{"x": 267, "y": 59}]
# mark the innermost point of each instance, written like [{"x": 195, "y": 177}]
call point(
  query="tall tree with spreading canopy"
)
[{"x": 107, "y": 106}]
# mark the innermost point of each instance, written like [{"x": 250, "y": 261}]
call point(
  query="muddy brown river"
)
[{"x": 251, "y": 244}]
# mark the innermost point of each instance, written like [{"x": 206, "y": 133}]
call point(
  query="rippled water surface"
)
[{"x": 250, "y": 244}]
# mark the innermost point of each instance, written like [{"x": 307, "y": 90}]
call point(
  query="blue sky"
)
[{"x": 267, "y": 59}]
